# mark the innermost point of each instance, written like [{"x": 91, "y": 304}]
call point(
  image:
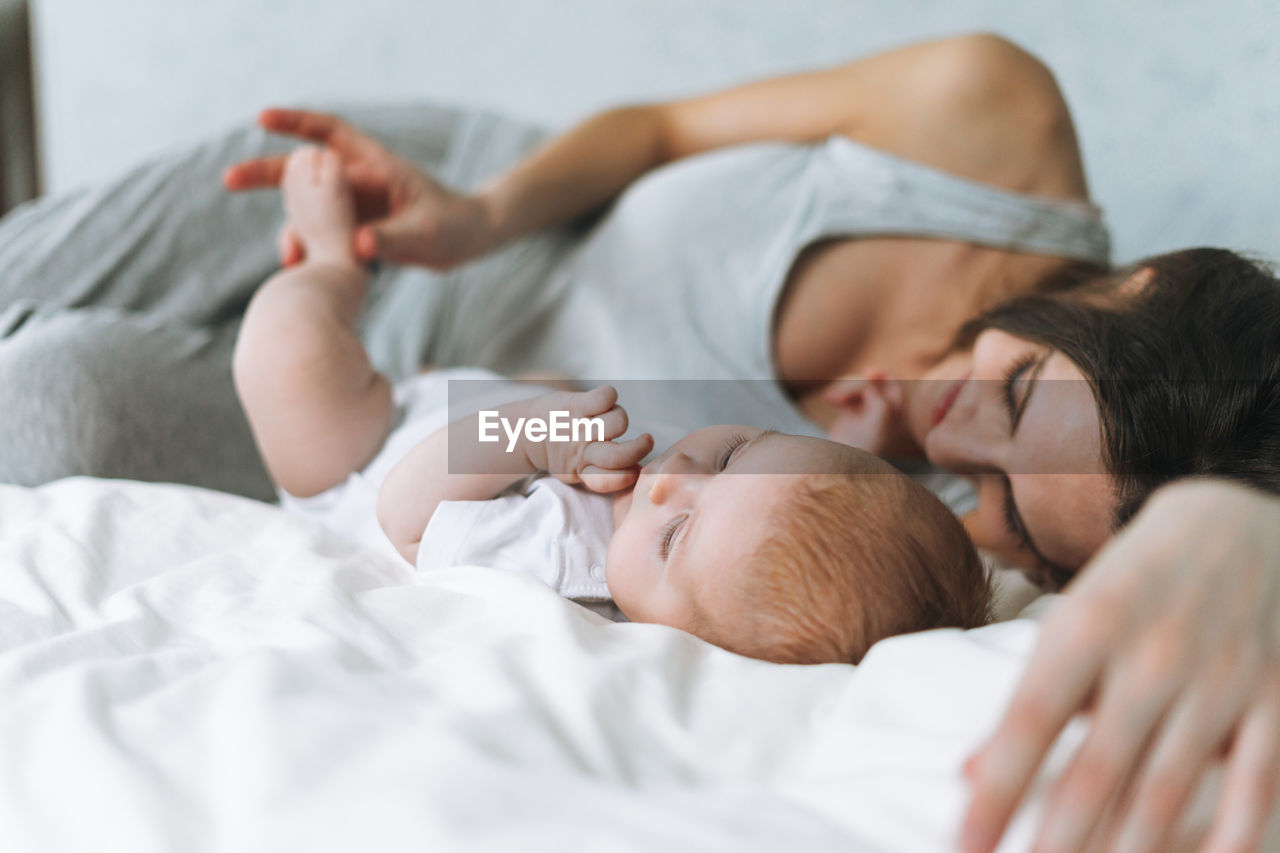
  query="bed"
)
[{"x": 187, "y": 670}]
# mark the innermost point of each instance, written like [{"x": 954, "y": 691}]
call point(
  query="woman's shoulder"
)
[
  {"x": 979, "y": 107},
  {"x": 976, "y": 105}
]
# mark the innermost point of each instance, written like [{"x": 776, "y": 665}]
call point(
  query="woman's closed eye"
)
[
  {"x": 1013, "y": 521},
  {"x": 1048, "y": 572},
  {"x": 1014, "y": 403}
]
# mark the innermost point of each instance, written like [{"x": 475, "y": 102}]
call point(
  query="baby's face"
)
[{"x": 699, "y": 512}]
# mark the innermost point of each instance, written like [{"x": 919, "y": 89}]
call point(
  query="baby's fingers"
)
[
  {"x": 617, "y": 455},
  {"x": 598, "y": 400},
  {"x": 602, "y": 481},
  {"x": 614, "y": 423},
  {"x": 600, "y": 404}
]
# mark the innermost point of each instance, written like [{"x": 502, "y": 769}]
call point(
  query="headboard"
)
[{"x": 19, "y": 172}]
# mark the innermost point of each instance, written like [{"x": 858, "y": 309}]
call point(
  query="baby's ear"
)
[{"x": 869, "y": 412}]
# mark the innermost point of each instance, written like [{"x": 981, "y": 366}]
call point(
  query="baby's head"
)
[{"x": 789, "y": 549}]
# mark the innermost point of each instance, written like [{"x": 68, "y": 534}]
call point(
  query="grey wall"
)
[{"x": 1177, "y": 101}]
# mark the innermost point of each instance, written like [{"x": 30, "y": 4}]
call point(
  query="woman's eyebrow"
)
[{"x": 1031, "y": 388}]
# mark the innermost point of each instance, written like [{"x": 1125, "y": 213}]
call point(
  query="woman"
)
[
  {"x": 955, "y": 159},
  {"x": 852, "y": 306},
  {"x": 1172, "y": 634},
  {"x": 950, "y": 114},
  {"x": 1167, "y": 369}
]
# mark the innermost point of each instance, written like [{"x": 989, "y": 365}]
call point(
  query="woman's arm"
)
[
  {"x": 1171, "y": 639},
  {"x": 976, "y": 105}
]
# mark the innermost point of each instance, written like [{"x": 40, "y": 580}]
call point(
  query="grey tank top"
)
[{"x": 679, "y": 279}]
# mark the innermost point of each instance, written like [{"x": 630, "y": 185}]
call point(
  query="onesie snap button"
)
[{"x": 597, "y": 571}]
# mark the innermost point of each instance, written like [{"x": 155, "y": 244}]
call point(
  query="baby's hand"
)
[{"x": 600, "y": 465}]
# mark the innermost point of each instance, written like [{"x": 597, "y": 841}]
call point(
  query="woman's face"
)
[{"x": 1020, "y": 421}]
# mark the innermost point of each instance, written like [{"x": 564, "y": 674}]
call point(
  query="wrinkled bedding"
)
[{"x": 186, "y": 670}]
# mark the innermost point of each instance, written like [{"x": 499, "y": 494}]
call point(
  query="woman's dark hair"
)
[{"x": 1184, "y": 366}]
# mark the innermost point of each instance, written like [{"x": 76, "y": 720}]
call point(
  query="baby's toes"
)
[
  {"x": 330, "y": 168},
  {"x": 301, "y": 166}
]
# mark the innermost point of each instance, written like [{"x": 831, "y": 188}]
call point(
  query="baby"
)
[{"x": 788, "y": 549}]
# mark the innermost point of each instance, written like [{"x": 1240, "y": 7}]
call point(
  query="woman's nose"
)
[
  {"x": 953, "y": 454},
  {"x": 967, "y": 446}
]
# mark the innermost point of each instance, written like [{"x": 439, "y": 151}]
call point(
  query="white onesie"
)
[
  {"x": 552, "y": 530},
  {"x": 558, "y": 532}
]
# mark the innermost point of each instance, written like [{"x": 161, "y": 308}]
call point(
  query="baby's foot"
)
[{"x": 318, "y": 202}]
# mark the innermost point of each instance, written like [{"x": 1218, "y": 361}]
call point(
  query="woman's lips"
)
[{"x": 948, "y": 399}]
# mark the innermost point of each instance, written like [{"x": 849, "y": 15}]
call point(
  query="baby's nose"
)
[
  {"x": 677, "y": 478},
  {"x": 679, "y": 463}
]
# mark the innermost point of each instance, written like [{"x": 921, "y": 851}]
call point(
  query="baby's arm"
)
[{"x": 483, "y": 470}]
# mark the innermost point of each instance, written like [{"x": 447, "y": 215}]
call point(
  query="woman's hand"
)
[
  {"x": 1171, "y": 640},
  {"x": 406, "y": 217}
]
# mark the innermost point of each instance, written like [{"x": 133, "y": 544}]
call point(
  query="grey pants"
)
[{"x": 119, "y": 306}]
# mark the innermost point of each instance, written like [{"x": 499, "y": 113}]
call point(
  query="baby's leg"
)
[{"x": 317, "y": 407}]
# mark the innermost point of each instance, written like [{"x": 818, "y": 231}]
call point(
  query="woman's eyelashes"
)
[
  {"x": 1015, "y": 372},
  {"x": 1012, "y": 521},
  {"x": 1046, "y": 570}
]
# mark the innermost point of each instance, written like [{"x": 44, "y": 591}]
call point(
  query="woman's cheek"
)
[
  {"x": 975, "y": 525},
  {"x": 986, "y": 529}
]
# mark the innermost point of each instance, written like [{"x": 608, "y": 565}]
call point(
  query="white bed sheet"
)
[{"x": 185, "y": 670}]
